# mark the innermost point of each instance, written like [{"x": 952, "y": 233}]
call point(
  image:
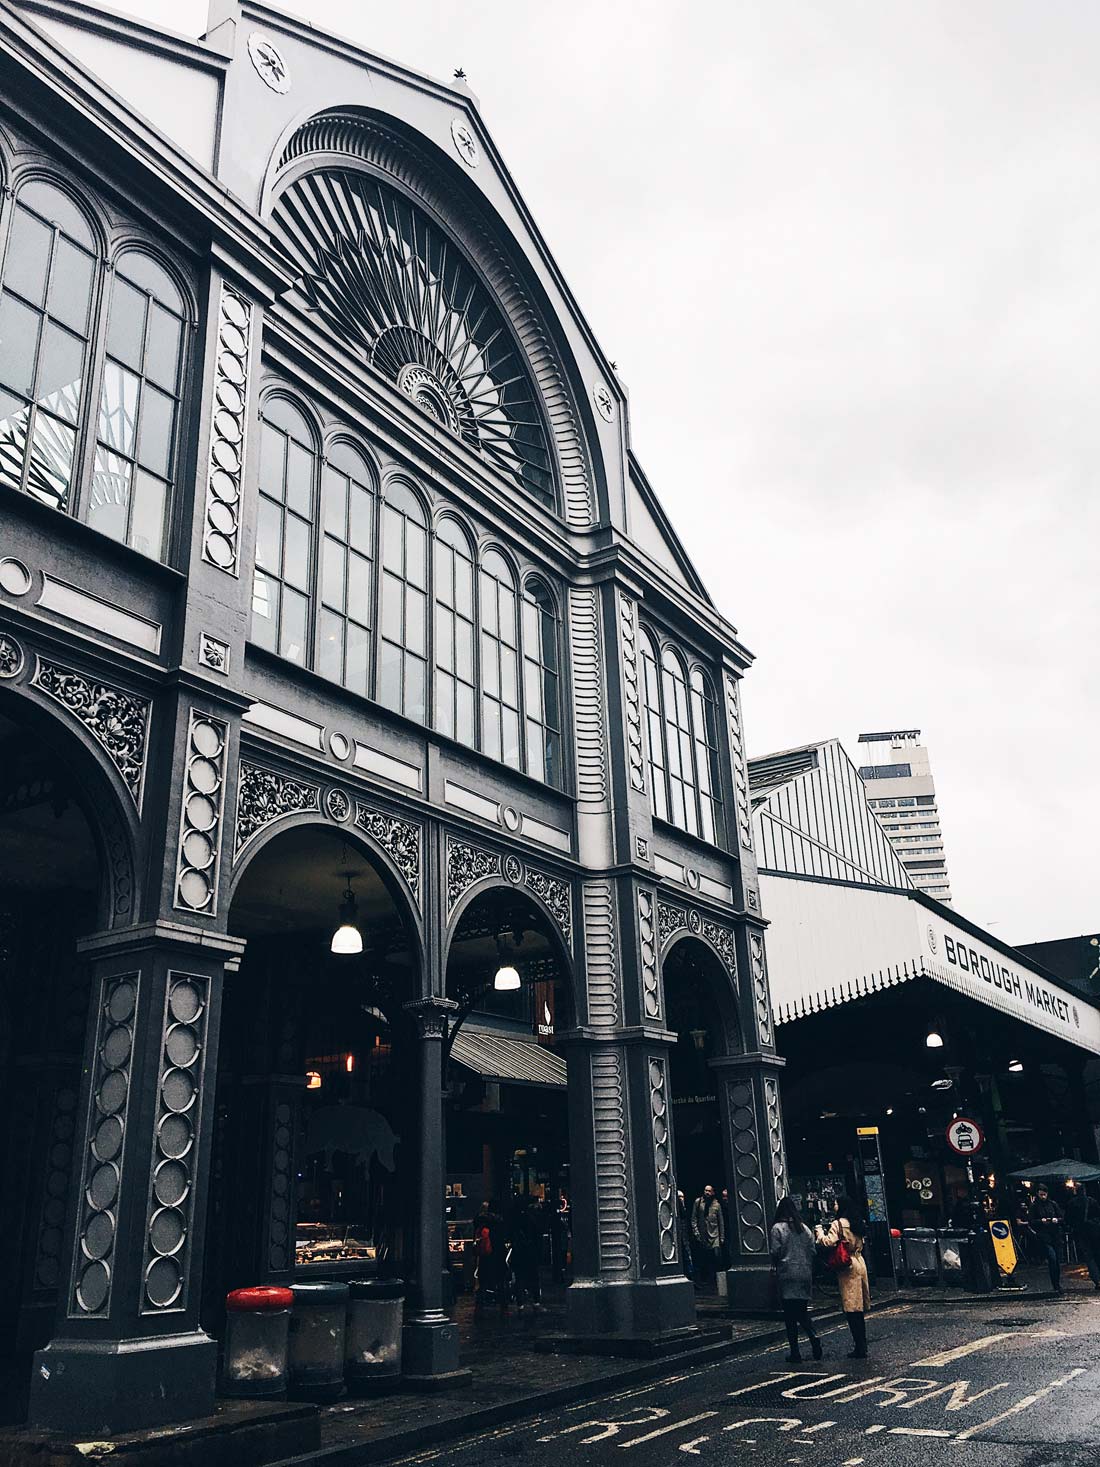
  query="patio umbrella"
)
[{"x": 1062, "y": 1171}]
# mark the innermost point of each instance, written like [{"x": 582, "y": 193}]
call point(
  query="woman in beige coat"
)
[{"x": 855, "y": 1294}]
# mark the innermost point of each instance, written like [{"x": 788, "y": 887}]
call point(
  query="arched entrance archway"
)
[
  {"x": 507, "y": 1116},
  {"x": 66, "y": 871},
  {"x": 316, "y": 1138}
]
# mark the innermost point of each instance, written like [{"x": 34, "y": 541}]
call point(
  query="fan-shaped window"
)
[
  {"x": 541, "y": 684},
  {"x": 655, "y": 731},
  {"x": 704, "y": 734},
  {"x": 135, "y": 451},
  {"x": 455, "y": 693},
  {"x": 347, "y": 553},
  {"x": 499, "y": 661},
  {"x": 283, "y": 580},
  {"x": 402, "y": 671},
  {"x": 49, "y": 281},
  {"x": 392, "y": 283}
]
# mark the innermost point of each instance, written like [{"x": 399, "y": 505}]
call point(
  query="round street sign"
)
[{"x": 965, "y": 1136}]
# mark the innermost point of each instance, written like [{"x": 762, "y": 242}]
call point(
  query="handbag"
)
[{"x": 838, "y": 1256}]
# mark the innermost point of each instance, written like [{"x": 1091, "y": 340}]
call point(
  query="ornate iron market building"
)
[{"x": 330, "y": 589}]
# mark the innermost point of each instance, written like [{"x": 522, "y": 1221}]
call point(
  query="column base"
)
[
  {"x": 429, "y": 1355},
  {"x": 629, "y": 1307},
  {"x": 98, "y": 1388},
  {"x": 751, "y": 1286}
]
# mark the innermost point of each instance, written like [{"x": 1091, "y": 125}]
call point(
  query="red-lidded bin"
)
[{"x": 257, "y": 1322}]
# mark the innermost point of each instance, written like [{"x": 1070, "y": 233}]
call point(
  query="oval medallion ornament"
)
[
  {"x": 462, "y": 135},
  {"x": 269, "y": 63},
  {"x": 605, "y": 403}
]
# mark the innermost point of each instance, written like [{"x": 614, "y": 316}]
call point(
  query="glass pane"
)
[
  {"x": 416, "y": 555},
  {"x": 71, "y": 286},
  {"x": 269, "y": 536},
  {"x": 299, "y": 478},
  {"x": 60, "y": 372},
  {"x": 508, "y": 690},
  {"x": 549, "y": 640},
  {"x": 51, "y": 460},
  {"x": 158, "y": 414},
  {"x": 292, "y": 630},
  {"x": 389, "y": 676},
  {"x": 490, "y": 727},
  {"x": 416, "y": 617},
  {"x": 532, "y": 688},
  {"x": 149, "y": 276},
  {"x": 162, "y": 348},
  {"x": 272, "y": 461},
  {"x": 464, "y": 714},
  {"x": 362, "y": 512},
  {"x": 444, "y": 575},
  {"x": 27, "y": 261},
  {"x": 393, "y": 541},
  {"x": 18, "y": 344},
  {"x": 330, "y": 648},
  {"x": 147, "y": 528},
  {"x": 393, "y": 596},
  {"x": 553, "y": 759},
  {"x": 402, "y": 498},
  {"x": 444, "y": 650},
  {"x": 358, "y": 658},
  {"x": 445, "y": 703},
  {"x": 489, "y": 604},
  {"x": 511, "y": 737},
  {"x": 507, "y": 617},
  {"x": 13, "y": 439},
  {"x": 57, "y": 208},
  {"x": 416, "y": 689},
  {"x": 335, "y": 510},
  {"x": 464, "y": 587},
  {"x": 281, "y": 414},
  {"x": 109, "y": 500},
  {"x": 359, "y": 589},
  {"x": 464, "y": 649},
  {"x": 550, "y": 712},
  {"x": 265, "y": 610},
  {"x": 296, "y": 552},
  {"x": 333, "y": 570},
  {"x": 535, "y": 752},
  {"x": 126, "y": 324},
  {"x": 490, "y": 672},
  {"x": 118, "y": 406},
  {"x": 530, "y": 614}
]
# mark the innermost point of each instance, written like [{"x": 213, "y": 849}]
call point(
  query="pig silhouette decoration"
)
[{"x": 354, "y": 1129}]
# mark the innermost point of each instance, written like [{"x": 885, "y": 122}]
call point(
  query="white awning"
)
[{"x": 513, "y": 1061}]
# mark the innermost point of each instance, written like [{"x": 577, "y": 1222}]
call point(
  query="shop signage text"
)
[{"x": 1033, "y": 989}]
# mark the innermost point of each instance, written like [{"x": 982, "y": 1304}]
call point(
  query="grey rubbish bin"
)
[
  {"x": 318, "y": 1326},
  {"x": 376, "y": 1313},
  {"x": 922, "y": 1265}
]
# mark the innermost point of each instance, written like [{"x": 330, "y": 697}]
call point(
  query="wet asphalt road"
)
[{"x": 1004, "y": 1384}]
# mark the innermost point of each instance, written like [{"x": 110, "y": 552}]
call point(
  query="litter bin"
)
[
  {"x": 376, "y": 1312},
  {"x": 318, "y": 1327},
  {"x": 255, "y": 1359},
  {"x": 955, "y": 1250},
  {"x": 921, "y": 1260}
]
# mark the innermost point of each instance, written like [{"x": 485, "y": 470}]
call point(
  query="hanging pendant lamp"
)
[{"x": 347, "y": 939}]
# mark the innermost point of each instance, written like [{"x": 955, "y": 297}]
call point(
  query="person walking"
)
[
  {"x": 1083, "y": 1220},
  {"x": 527, "y": 1236},
  {"x": 492, "y": 1263},
  {"x": 708, "y": 1228},
  {"x": 792, "y": 1250},
  {"x": 848, "y": 1227},
  {"x": 1046, "y": 1223}
]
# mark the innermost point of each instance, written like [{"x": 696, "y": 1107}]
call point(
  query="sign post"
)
[{"x": 874, "y": 1192}]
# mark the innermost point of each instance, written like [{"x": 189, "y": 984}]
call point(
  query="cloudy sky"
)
[{"x": 847, "y": 258}]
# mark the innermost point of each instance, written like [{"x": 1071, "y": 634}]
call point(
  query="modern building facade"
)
[
  {"x": 894, "y": 1013},
  {"x": 331, "y": 593},
  {"x": 901, "y": 792}
]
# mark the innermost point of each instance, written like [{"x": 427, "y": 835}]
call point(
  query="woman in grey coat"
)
[{"x": 792, "y": 1249}]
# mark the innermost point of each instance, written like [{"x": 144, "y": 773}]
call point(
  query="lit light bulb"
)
[
  {"x": 506, "y": 979},
  {"x": 934, "y": 1040}
]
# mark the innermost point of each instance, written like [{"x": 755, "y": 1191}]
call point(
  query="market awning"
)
[
  {"x": 1064, "y": 1170},
  {"x": 513, "y": 1061}
]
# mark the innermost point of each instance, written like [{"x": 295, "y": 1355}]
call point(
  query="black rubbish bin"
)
[
  {"x": 956, "y": 1249},
  {"x": 918, "y": 1246},
  {"x": 372, "y": 1354},
  {"x": 318, "y": 1328}
]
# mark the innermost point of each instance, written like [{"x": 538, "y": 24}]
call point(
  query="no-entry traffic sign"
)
[{"x": 965, "y": 1136}]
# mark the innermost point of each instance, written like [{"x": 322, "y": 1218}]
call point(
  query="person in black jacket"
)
[
  {"x": 1046, "y": 1223},
  {"x": 1083, "y": 1221}
]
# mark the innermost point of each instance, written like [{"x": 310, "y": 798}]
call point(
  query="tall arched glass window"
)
[
  {"x": 347, "y": 554},
  {"x": 499, "y": 661},
  {"x": 282, "y": 583},
  {"x": 678, "y": 744},
  {"x": 48, "y": 285},
  {"x": 655, "y": 728},
  {"x": 403, "y": 653},
  {"x": 541, "y": 684},
  {"x": 455, "y": 691},
  {"x": 135, "y": 451},
  {"x": 704, "y": 728}
]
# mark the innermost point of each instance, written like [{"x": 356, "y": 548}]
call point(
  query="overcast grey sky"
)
[{"x": 847, "y": 257}]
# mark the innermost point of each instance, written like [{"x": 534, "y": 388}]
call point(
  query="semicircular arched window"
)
[{"x": 386, "y": 276}]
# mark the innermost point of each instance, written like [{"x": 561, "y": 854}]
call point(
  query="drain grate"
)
[{"x": 1014, "y": 1323}]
